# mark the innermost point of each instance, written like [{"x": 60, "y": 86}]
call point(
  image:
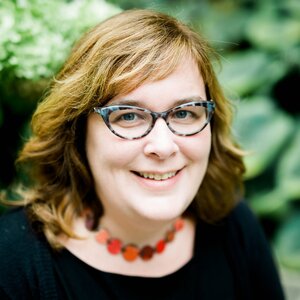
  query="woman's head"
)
[
  {"x": 155, "y": 176},
  {"x": 115, "y": 58}
]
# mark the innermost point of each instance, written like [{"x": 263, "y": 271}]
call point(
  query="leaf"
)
[
  {"x": 224, "y": 24},
  {"x": 272, "y": 30},
  {"x": 262, "y": 130},
  {"x": 270, "y": 203},
  {"x": 288, "y": 169},
  {"x": 287, "y": 242},
  {"x": 247, "y": 71}
]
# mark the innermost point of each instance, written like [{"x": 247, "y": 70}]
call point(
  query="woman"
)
[{"x": 136, "y": 180}]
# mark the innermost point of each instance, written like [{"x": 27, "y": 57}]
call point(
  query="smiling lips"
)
[{"x": 156, "y": 176}]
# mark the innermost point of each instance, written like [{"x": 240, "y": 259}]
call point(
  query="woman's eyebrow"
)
[
  {"x": 188, "y": 99},
  {"x": 141, "y": 103},
  {"x": 125, "y": 102}
]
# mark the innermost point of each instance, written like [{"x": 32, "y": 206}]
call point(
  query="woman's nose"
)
[{"x": 161, "y": 141}]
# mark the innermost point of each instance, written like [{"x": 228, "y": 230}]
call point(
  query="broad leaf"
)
[
  {"x": 288, "y": 169},
  {"x": 247, "y": 71},
  {"x": 262, "y": 130},
  {"x": 287, "y": 242}
]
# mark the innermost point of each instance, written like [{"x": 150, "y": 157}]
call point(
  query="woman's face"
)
[{"x": 121, "y": 168}]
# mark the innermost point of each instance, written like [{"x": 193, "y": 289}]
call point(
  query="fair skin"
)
[{"x": 139, "y": 209}]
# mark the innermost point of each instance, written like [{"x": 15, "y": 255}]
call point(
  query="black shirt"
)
[
  {"x": 232, "y": 260},
  {"x": 206, "y": 276}
]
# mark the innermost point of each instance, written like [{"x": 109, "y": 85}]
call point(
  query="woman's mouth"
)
[{"x": 156, "y": 176}]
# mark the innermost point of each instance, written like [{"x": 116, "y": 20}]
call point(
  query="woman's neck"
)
[
  {"x": 176, "y": 254},
  {"x": 139, "y": 232}
]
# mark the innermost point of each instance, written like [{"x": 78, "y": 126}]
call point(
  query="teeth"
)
[{"x": 157, "y": 176}]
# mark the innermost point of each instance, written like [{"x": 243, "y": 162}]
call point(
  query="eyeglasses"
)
[{"x": 132, "y": 122}]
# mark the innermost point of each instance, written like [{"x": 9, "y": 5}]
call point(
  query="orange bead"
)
[
  {"x": 102, "y": 236},
  {"x": 130, "y": 252}
]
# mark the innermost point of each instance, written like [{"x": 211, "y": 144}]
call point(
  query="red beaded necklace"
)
[{"x": 131, "y": 252}]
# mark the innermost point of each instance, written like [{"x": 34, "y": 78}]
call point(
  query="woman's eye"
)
[
  {"x": 128, "y": 117},
  {"x": 182, "y": 114}
]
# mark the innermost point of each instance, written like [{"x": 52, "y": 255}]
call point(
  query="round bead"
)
[
  {"x": 179, "y": 224},
  {"x": 114, "y": 246},
  {"x": 146, "y": 253},
  {"x": 170, "y": 236},
  {"x": 130, "y": 252},
  {"x": 102, "y": 236},
  {"x": 160, "y": 246}
]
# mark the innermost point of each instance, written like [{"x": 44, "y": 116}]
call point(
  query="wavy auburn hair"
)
[{"x": 115, "y": 57}]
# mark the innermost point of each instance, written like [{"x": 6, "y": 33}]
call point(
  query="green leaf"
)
[
  {"x": 273, "y": 31},
  {"x": 221, "y": 22},
  {"x": 287, "y": 242},
  {"x": 288, "y": 169},
  {"x": 270, "y": 203},
  {"x": 262, "y": 130},
  {"x": 245, "y": 72}
]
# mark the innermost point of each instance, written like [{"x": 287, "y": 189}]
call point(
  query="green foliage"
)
[
  {"x": 288, "y": 242},
  {"x": 288, "y": 171},
  {"x": 250, "y": 71},
  {"x": 262, "y": 129},
  {"x": 35, "y": 38},
  {"x": 36, "y": 35},
  {"x": 265, "y": 127}
]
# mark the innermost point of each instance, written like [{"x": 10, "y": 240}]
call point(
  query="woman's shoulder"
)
[
  {"x": 20, "y": 240},
  {"x": 243, "y": 220},
  {"x": 250, "y": 250},
  {"x": 242, "y": 213},
  {"x": 240, "y": 221},
  {"x": 16, "y": 249},
  {"x": 17, "y": 239},
  {"x": 246, "y": 235},
  {"x": 239, "y": 233},
  {"x": 15, "y": 229},
  {"x": 25, "y": 256}
]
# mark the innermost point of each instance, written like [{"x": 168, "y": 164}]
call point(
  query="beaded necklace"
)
[{"x": 130, "y": 251}]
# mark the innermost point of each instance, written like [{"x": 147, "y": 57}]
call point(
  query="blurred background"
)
[{"x": 259, "y": 47}]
